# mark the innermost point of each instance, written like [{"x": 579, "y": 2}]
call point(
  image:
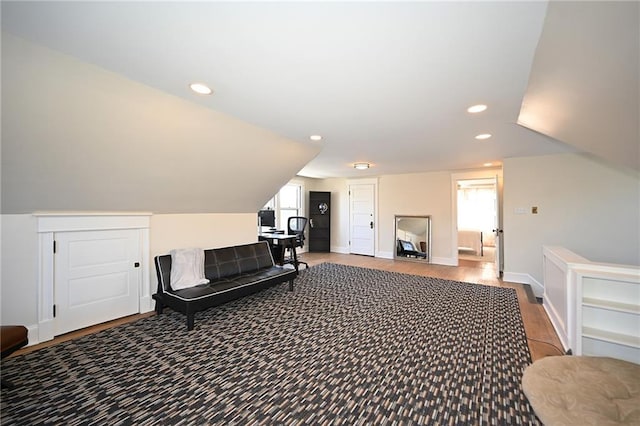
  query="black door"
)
[{"x": 319, "y": 221}]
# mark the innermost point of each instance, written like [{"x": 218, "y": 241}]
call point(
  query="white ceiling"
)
[{"x": 386, "y": 83}]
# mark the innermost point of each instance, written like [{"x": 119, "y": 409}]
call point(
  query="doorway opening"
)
[{"x": 476, "y": 221}]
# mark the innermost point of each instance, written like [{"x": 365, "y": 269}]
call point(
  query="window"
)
[{"x": 287, "y": 203}]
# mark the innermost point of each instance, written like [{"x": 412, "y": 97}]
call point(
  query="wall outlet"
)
[
  {"x": 534, "y": 210},
  {"x": 520, "y": 210}
]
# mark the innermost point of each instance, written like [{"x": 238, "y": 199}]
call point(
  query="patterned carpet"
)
[{"x": 350, "y": 346}]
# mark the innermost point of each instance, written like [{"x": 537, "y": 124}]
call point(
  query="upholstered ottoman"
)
[
  {"x": 12, "y": 338},
  {"x": 580, "y": 390}
]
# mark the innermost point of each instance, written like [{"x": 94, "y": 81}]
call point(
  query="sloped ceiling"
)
[
  {"x": 383, "y": 82},
  {"x": 78, "y": 137},
  {"x": 584, "y": 85}
]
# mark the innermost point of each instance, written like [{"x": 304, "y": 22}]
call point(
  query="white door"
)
[
  {"x": 499, "y": 265},
  {"x": 97, "y": 277},
  {"x": 361, "y": 204}
]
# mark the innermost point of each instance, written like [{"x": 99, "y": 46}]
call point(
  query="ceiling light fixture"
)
[
  {"x": 361, "y": 166},
  {"x": 315, "y": 137},
  {"x": 488, "y": 164},
  {"x": 476, "y": 108},
  {"x": 483, "y": 136},
  {"x": 201, "y": 89}
]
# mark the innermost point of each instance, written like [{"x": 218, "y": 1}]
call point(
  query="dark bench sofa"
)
[{"x": 233, "y": 272}]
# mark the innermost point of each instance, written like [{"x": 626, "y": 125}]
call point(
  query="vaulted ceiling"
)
[{"x": 384, "y": 83}]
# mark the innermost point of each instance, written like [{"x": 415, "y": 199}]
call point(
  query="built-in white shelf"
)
[
  {"x": 611, "y": 337},
  {"x": 608, "y": 311},
  {"x": 611, "y": 305},
  {"x": 594, "y": 307}
]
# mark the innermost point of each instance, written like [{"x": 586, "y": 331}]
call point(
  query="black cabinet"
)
[{"x": 319, "y": 221}]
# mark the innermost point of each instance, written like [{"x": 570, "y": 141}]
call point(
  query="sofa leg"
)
[
  {"x": 159, "y": 305},
  {"x": 190, "y": 321}
]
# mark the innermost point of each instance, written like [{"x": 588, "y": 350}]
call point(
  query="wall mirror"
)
[{"x": 413, "y": 238}]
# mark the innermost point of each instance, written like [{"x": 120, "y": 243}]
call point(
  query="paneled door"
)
[
  {"x": 361, "y": 206},
  {"x": 319, "y": 221},
  {"x": 97, "y": 277}
]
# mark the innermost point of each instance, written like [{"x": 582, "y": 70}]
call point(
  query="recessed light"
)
[
  {"x": 488, "y": 164},
  {"x": 483, "y": 136},
  {"x": 201, "y": 89},
  {"x": 476, "y": 108},
  {"x": 361, "y": 166},
  {"x": 315, "y": 137}
]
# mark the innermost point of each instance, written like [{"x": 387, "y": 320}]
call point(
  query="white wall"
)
[
  {"x": 408, "y": 194},
  {"x": 583, "y": 205},
  {"x": 417, "y": 194},
  {"x": 19, "y": 286},
  {"x": 212, "y": 230}
]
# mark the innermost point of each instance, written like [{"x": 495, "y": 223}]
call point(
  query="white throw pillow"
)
[{"x": 187, "y": 268}]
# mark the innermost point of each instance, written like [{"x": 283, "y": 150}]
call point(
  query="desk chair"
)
[
  {"x": 407, "y": 249},
  {"x": 296, "y": 226}
]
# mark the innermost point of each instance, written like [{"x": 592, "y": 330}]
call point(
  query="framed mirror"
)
[{"x": 413, "y": 238}]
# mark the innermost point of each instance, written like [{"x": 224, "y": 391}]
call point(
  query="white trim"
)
[
  {"x": 565, "y": 276},
  {"x": 74, "y": 221},
  {"x": 446, "y": 261},
  {"x": 384, "y": 254},
  {"x": 302, "y": 202},
  {"x": 376, "y": 234},
  {"x": 556, "y": 322},
  {"x": 524, "y": 278},
  {"x": 33, "y": 332},
  {"x": 474, "y": 174},
  {"x": 146, "y": 302},
  {"x": 49, "y": 223},
  {"x": 339, "y": 249}
]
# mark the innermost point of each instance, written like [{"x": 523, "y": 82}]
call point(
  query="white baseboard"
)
[
  {"x": 446, "y": 261},
  {"x": 557, "y": 323},
  {"x": 33, "y": 334},
  {"x": 339, "y": 249},
  {"x": 146, "y": 304},
  {"x": 385, "y": 254},
  {"x": 524, "y": 278},
  {"x": 44, "y": 332}
]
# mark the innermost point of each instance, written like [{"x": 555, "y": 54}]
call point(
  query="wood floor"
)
[{"x": 541, "y": 336}]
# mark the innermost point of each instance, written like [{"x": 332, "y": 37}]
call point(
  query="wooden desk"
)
[{"x": 281, "y": 242}]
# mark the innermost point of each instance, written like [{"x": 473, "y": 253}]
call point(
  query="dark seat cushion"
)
[
  {"x": 226, "y": 262},
  {"x": 229, "y": 283},
  {"x": 12, "y": 338}
]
